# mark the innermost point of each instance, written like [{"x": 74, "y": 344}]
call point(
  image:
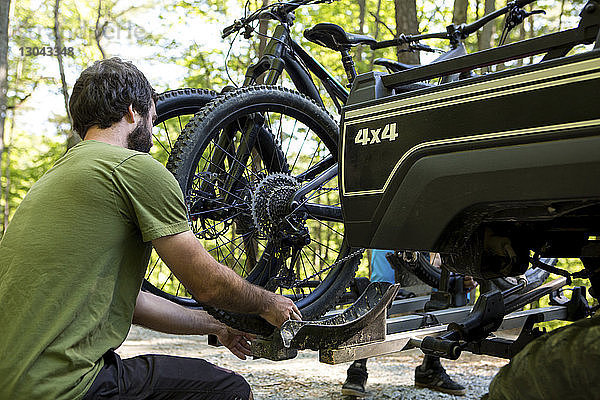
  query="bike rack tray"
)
[
  {"x": 362, "y": 322},
  {"x": 405, "y": 340}
]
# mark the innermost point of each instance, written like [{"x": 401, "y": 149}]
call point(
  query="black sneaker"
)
[
  {"x": 356, "y": 380},
  {"x": 436, "y": 378}
]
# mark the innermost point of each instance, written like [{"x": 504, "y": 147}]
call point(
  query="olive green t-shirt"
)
[{"x": 71, "y": 265}]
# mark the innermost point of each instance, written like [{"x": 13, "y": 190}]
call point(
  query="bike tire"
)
[
  {"x": 430, "y": 274},
  {"x": 173, "y": 109},
  {"x": 193, "y": 156}
]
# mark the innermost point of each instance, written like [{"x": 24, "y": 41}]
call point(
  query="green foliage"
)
[
  {"x": 30, "y": 158},
  {"x": 572, "y": 265},
  {"x": 164, "y": 35}
]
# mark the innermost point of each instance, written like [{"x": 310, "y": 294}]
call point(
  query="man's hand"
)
[
  {"x": 237, "y": 342},
  {"x": 217, "y": 285},
  {"x": 279, "y": 309}
]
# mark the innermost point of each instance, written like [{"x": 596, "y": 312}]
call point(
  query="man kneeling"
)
[{"x": 75, "y": 253}]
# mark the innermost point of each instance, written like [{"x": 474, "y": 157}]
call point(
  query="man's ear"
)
[{"x": 130, "y": 114}]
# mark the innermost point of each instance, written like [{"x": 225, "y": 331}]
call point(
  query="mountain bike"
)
[{"x": 258, "y": 166}]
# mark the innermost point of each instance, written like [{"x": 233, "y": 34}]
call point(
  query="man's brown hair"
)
[{"x": 105, "y": 90}]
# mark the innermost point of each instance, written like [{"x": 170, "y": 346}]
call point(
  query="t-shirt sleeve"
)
[{"x": 152, "y": 197}]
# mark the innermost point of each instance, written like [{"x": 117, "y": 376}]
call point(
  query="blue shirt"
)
[{"x": 381, "y": 270}]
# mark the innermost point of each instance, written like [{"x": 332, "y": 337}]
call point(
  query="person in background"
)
[{"x": 430, "y": 374}]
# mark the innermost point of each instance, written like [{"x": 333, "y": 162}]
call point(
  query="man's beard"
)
[{"x": 140, "y": 138}]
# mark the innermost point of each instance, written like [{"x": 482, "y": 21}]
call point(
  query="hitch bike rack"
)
[{"x": 364, "y": 329}]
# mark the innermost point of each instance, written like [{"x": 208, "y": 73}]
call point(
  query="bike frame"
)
[{"x": 283, "y": 53}]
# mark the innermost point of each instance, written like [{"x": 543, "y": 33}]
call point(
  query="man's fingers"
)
[
  {"x": 297, "y": 311},
  {"x": 240, "y": 349},
  {"x": 238, "y": 354},
  {"x": 245, "y": 344},
  {"x": 245, "y": 350},
  {"x": 296, "y": 315}
]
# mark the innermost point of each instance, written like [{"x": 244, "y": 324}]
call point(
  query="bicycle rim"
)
[{"x": 216, "y": 175}]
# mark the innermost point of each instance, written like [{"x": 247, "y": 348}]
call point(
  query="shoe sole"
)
[
  {"x": 352, "y": 392},
  {"x": 456, "y": 392}
]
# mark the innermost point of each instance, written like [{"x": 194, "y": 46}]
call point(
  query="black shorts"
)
[{"x": 165, "y": 377}]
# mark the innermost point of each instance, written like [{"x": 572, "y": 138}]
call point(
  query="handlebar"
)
[
  {"x": 236, "y": 26},
  {"x": 463, "y": 31},
  {"x": 475, "y": 26},
  {"x": 277, "y": 11}
]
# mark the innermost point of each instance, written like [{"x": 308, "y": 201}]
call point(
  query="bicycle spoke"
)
[
  {"x": 310, "y": 163},
  {"x": 300, "y": 150},
  {"x": 221, "y": 189},
  {"x": 216, "y": 166},
  {"x": 227, "y": 242},
  {"x": 166, "y": 281},
  {"x": 324, "y": 224},
  {"x": 210, "y": 211},
  {"x": 324, "y": 245},
  {"x": 237, "y": 247},
  {"x": 222, "y": 221},
  {"x": 160, "y": 143}
]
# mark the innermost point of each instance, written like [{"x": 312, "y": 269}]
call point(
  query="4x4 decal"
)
[{"x": 367, "y": 136}]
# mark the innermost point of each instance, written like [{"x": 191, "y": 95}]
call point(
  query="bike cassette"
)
[{"x": 271, "y": 202}]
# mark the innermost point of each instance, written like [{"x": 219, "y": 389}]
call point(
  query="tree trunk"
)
[
  {"x": 487, "y": 32},
  {"x": 522, "y": 36},
  {"x": 531, "y": 29},
  {"x": 560, "y": 16},
  {"x": 72, "y": 138},
  {"x": 4, "y": 12},
  {"x": 99, "y": 30},
  {"x": 406, "y": 22},
  {"x": 263, "y": 27},
  {"x": 6, "y": 174},
  {"x": 376, "y": 33},
  {"x": 362, "y": 6},
  {"x": 477, "y": 16},
  {"x": 459, "y": 15}
]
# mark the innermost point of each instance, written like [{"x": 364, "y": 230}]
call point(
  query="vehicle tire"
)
[
  {"x": 227, "y": 190},
  {"x": 174, "y": 108}
]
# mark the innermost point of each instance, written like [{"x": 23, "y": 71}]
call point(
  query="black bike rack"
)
[
  {"x": 362, "y": 322},
  {"x": 363, "y": 331}
]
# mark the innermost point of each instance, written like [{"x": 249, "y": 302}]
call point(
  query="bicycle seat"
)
[
  {"x": 334, "y": 37},
  {"x": 393, "y": 66}
]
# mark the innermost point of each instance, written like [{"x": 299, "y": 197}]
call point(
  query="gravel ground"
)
[{"x": 390, "y": 377}]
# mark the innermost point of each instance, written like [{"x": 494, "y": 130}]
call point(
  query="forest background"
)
[{"x": 178, "y": 44}]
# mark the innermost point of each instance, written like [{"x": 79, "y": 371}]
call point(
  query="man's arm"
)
[
  {"x": 215, "y": 284},
  {"x": 163, "y": 315}
]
